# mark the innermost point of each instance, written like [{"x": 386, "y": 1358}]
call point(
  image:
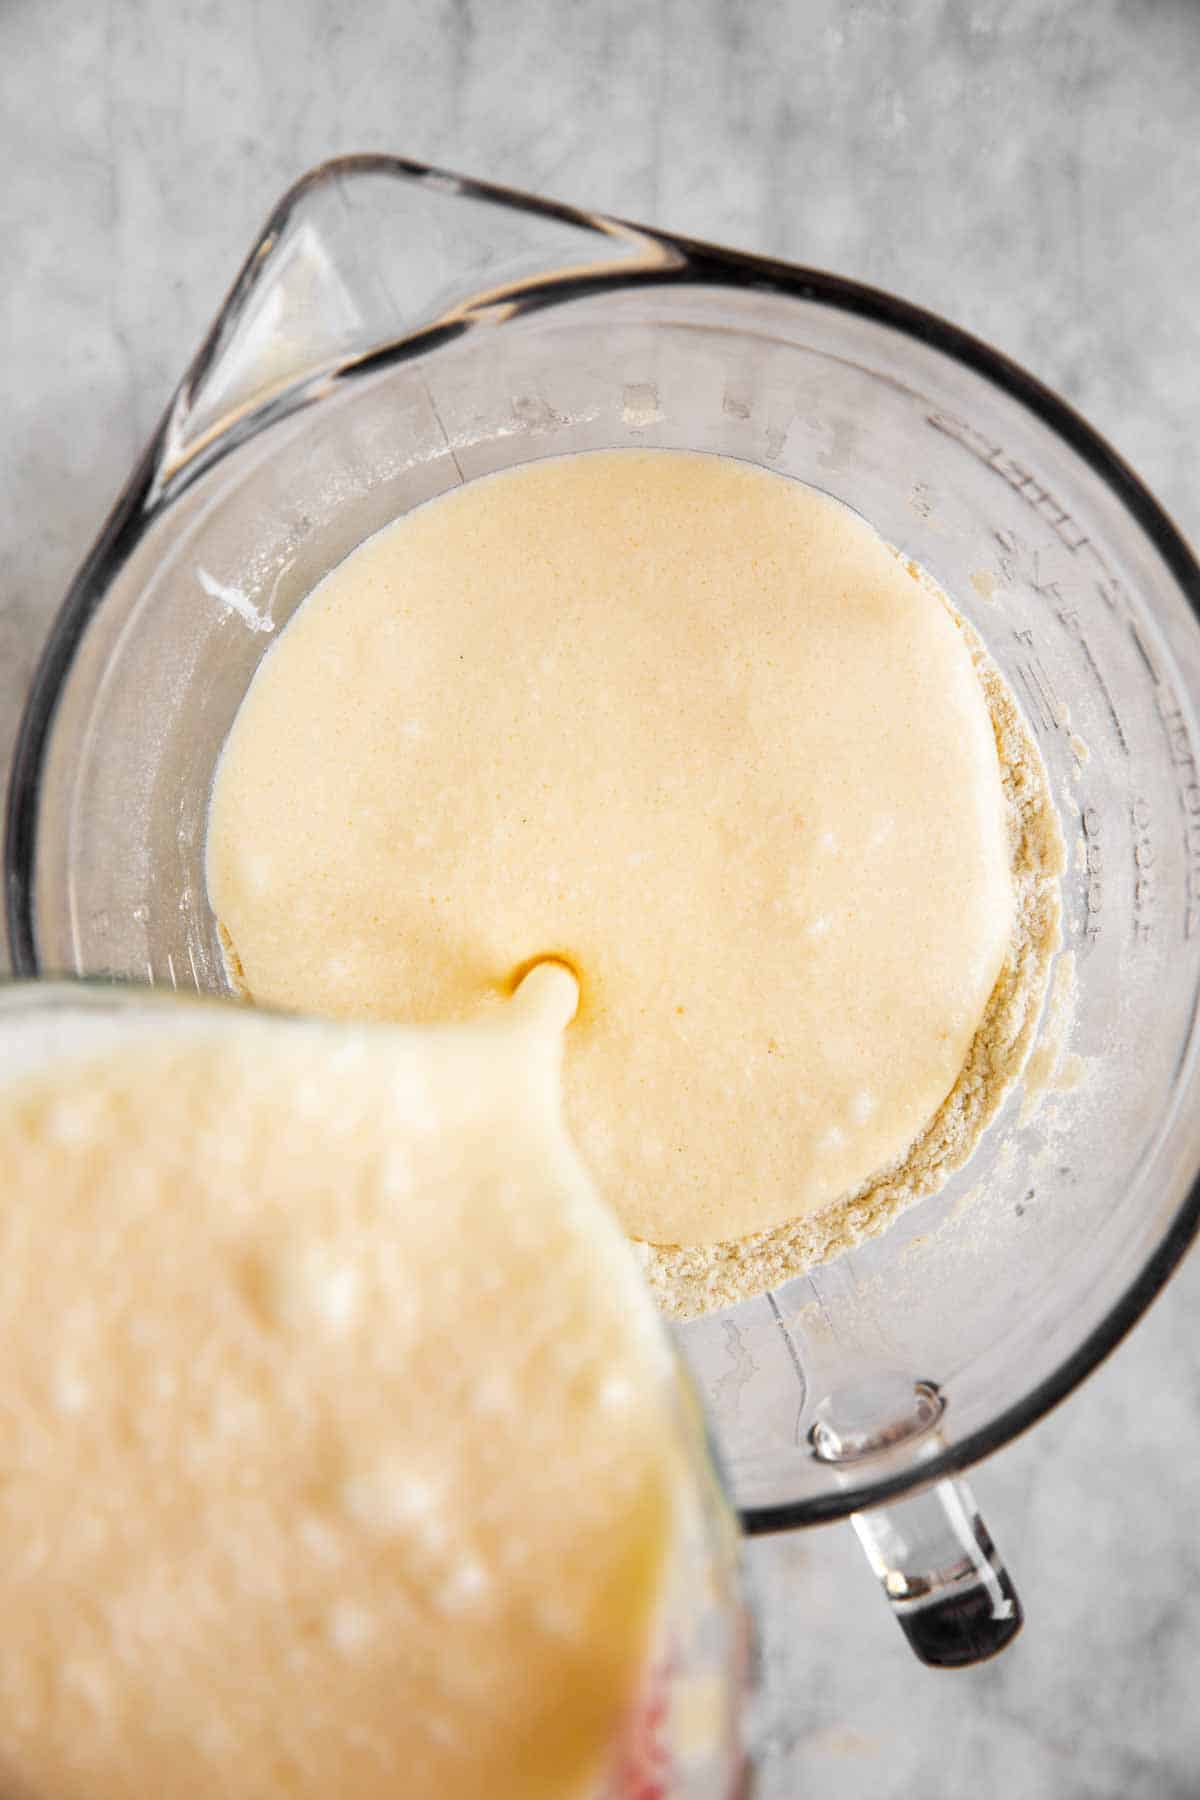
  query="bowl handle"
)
[{"x": 947, "y": 1588}]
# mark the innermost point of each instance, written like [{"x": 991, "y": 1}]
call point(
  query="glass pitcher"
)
[
  {"x": 397, "y": 330},
  {"x": 683, "y": 1737}
]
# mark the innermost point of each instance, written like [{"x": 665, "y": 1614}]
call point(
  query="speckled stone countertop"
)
[{"x": 1031, "y": 171}]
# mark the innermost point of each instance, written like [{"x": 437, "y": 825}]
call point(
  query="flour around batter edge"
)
[
  {"x": 731, "y": 981},
  {"x": 690, "y": 1280}
]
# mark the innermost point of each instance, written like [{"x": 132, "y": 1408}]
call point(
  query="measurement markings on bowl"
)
[
  {"x": 1145, "y": 652},
  {"x": 1146, "y": 880},
  {"x": 1093, "y": 871},
  {"x": 1033, "y": 491},
  {"x": 1187, "y": 788},
  {"x": 1021, "y": 562},
  {"x": 1046, "y": 709},
  {"x": 1069, "y": 619},
  {"x": 640, "y": 405},
  {"x": 1026, "y": 563}
]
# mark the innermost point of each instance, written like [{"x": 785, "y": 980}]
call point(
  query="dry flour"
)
[{"x": 692, "y": 1279}]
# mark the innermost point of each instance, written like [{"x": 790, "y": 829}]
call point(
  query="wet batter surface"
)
[
  {"x": 313, "y": 1482},
  {"x": 693, "y": 726}
]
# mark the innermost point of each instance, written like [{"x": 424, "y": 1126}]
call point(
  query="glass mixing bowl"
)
[{"x": 396, "y": 331}]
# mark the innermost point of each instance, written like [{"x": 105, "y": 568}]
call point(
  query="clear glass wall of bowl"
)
[{"x": 396, "y": 334}]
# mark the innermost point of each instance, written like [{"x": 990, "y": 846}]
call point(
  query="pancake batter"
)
[
  {"x": 693, "y": 726},
  {"x": 315, "y": 1482}
]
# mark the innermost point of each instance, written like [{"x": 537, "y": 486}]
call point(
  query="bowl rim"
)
[{"x": 670, "y": 259}]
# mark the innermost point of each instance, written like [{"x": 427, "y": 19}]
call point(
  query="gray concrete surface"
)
[{"x": 1030, "y": 169}]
